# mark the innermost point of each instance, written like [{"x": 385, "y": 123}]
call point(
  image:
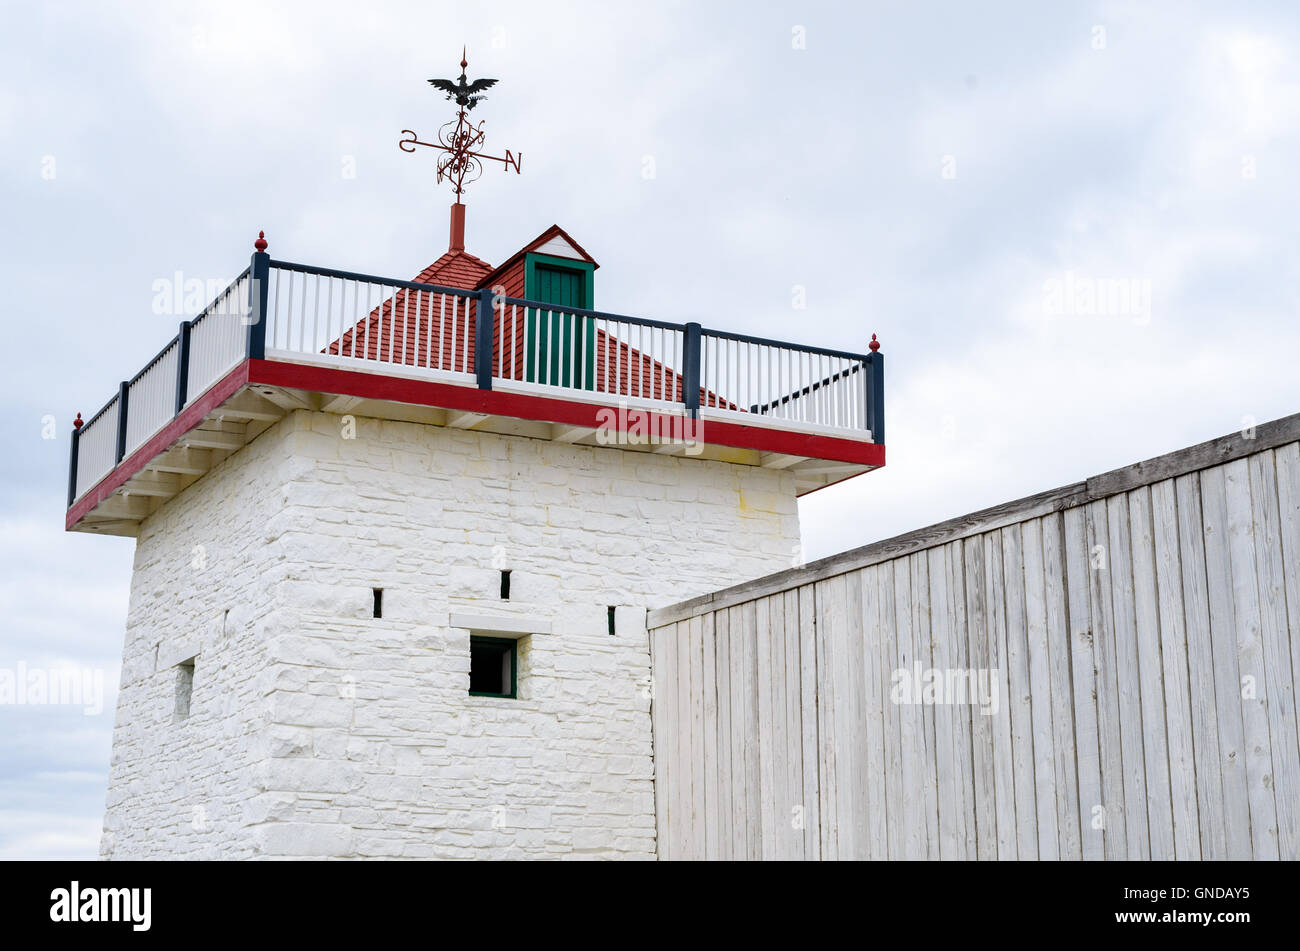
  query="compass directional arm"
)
[{"x": 460, "y": 139}]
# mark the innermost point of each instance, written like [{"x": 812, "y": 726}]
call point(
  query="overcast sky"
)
[{"x": 952, "y": 176}]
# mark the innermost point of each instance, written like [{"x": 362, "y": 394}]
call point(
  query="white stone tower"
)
[{"x": 395, "y": 542}]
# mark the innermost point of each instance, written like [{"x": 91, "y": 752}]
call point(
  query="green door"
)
[{"x": 562, "y": 346}]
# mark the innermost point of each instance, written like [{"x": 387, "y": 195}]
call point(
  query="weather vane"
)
[{"x": 460, "y": 139}]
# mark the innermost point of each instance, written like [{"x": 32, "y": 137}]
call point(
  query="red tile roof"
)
[
  {"x": 455, "y": 269},
  {"x": 410, "y": 328}
]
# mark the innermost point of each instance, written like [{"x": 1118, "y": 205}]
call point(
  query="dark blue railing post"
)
[
  {"x": 123, "y": 390},
  {"x": 875, "y": 370},
  {"x": 182, "y": 365},
  {"x": 483, "y": 339},
  {"x": 72, "y": 461},
  {"x": 691, "y": 347},
  {"x": 259, "y": 274}
]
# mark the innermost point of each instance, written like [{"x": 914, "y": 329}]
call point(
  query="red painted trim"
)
[
  {"x": 548, "y": 409},
  {"x": 189, "y": 418},
  {"x": 375, "y": 386}
]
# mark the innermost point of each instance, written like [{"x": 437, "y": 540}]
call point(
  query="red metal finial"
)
[
  {"x": 875, "y": 344},
  {"x": 260, "y": 243},
  {"x": 464, "y": 62},
  {"x": 77, "y": 423}
]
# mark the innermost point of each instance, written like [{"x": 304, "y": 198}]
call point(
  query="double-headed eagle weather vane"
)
[{"x": 460, "y": 139}]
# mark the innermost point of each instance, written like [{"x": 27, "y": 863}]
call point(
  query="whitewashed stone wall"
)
[
  {"x": 318, "y": 730},
  {"x": 199, "y": 589}
]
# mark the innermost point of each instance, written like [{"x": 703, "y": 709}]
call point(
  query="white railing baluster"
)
[
  {"x": 302, "y": 317},
  {"x": 518, "y": 342},
  {"x": 363, "y": 318},
  {"x": 442, "y": 326},
  {"x": 428, "y": 328},
  {"x": 288, "y": 324},
  {"x": 315, "y": 312},
  {"x": 392, "y": 322},
  {"x": 329, "y": 316}
]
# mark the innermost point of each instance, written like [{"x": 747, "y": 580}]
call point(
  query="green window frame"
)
[
  {"x": 557, "y": 334},
  {"x": 493, "y": 650}
]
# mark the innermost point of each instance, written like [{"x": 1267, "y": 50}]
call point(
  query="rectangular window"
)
[
  {"x": 379, "y": 602},
  {"x": 184, "y": 688},
  {"x": 493, "y": 666}
]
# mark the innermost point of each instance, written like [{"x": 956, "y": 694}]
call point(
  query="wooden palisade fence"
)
[{"x": 1143, "y": 633}]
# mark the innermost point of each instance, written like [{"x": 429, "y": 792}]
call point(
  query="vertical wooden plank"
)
[
  {"x": 830, "y": 598},
  {"x": 960, "y": 645},
  {"x": 682, "y": 845},
  {"x": 1040, "y": 688},
  {"x": 884, "y": 659},
  {"x": 664, "y": 694},
  {"x": 1250, "y": 659},
  {"x": 1146, "y": 611},
  {"x": 1250, "y": 662},
  {"x": 796, "y": 815},
  {"x": 977, "y": 632},
  {"x": 1287, "y": 463},
  {"x": 911, "y": 759},
  {"x": 741, "y": 819},
  {"x": 753, "y": 768},
  {"x": 1083, "y": 674},
  {"x": 861, "y": 723},
  {"x": 725, "y": 665},
  {"x": 778, "y": 794},
  {"x": 688, "y": 659},
  {"x": 1173, "y": 656},
  {"x": 843, "y": 600},
  {"x": 766, "y": 755},
  {"x": 1018, "y": 700},
  {"x": 1200, "y": 669},
  {"x": 699, "y": 808},
  {"x": 1004, "y": 787},
  {"x": 1058, "y": 654},
  {"x": 952, "y": 839},
  {"x": 808, "y": 664},
  {"x": 709, "y": 754},
  {"x": 662, "y": 700},
  {"x": 1279, "y": 693},
  {"x": 1130, "y": 685},
  {"x": 1223, "y": 644},
  {"x": 920, "y": 568},
  {"x": 1109, "y": 745}
]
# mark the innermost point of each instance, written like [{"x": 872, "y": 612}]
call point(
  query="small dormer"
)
[
  {"x": 554, "y": 269},
  {"x": 559, "y": 272}
]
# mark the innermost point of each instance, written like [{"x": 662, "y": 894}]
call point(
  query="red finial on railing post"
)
[
  {"x": 77, "y": 423},
  {"x": 875, "y": 344},
  {"x": 260, "y": 243}
]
